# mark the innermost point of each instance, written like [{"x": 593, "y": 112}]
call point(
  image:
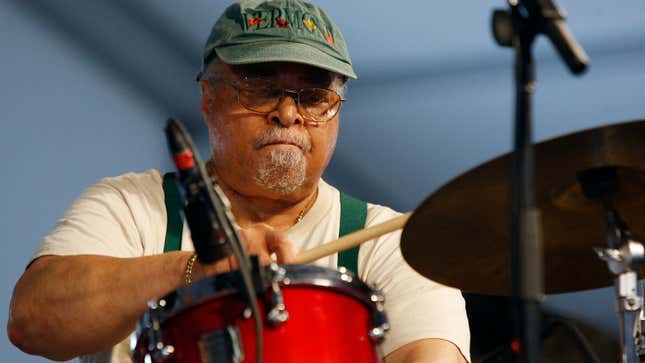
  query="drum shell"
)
[{"x": 329, "y": 321}]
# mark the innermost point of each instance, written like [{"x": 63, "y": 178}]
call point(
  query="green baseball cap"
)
[{"x": 256, "y": 31}]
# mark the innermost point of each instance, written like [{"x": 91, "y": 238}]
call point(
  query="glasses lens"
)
[
  {"x": 319, "y": 104},
  {"x": 259, "y": 95}
]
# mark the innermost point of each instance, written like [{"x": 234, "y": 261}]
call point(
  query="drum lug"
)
[
  {"x": 158, "y": 351},
  {"x": 345, "y": 274},
  {"x": 277, "y": 311},
  {"x": 379, "y": 318},
  {"x": 377, "y": 334}
]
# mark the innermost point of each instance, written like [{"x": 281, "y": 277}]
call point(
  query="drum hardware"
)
[
  {"x": 273, "y": 300},
  {"x": 345, "y": 274},
  {"x": 624, "y": 262},
  {"x": 639, "y": 336},
  {"x": 379, "y": 318},
  {"x": 156, "y": 350},
  {"x": 277, "y": 312},
  {"x": 624, "y": 257}
]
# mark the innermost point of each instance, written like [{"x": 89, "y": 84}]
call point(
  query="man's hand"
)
[{"x": 260, "y": 240}]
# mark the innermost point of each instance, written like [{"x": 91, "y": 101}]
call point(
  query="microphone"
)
[
  {"x": 205, "y": 207},
  {"x": 553, "y": 25},
  {"x": 544, "y": 17}
]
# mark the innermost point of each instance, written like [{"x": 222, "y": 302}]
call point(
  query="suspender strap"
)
[
  {"x": 173, "y": 209},
  {"x": 353, "y": 213}
]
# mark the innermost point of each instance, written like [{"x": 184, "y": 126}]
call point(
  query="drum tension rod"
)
[{"x": 269, "y": 280}]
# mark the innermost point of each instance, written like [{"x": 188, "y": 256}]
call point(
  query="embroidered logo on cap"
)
[
  {"x": 310, "y": 24},
  {"x": 254, "y": 21},
  {"x": 329, "y": 38},
  {"x": 279, "y": 18}
]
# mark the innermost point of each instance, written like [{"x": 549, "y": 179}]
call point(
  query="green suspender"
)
[
  {"x": 353, "y": 213},
  {"x": 173, "y": 209}
]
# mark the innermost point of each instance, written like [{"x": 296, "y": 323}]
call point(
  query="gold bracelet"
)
[{"x": 188, "y": 275}]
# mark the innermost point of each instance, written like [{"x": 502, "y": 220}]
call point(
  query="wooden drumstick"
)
[{"x": 352, "y": 239}]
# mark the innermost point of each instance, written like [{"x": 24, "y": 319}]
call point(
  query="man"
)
[{"x": 272, "y": 84}]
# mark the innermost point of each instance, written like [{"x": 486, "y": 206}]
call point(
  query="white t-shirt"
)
[{"x": 125, "y": 216}]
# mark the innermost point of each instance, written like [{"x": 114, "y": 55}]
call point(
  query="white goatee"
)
[{"x": 282, "y": 171}]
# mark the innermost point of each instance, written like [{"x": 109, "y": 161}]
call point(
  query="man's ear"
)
[{"x": 208, "y": 96}]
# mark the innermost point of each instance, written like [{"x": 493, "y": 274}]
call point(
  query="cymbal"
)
[{"x": 459, "y": 235}]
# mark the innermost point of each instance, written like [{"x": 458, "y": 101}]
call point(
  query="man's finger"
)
[{"x": 279, "y": 243}]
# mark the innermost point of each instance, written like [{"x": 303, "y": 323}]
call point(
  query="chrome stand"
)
[
  {"x": 624, "y": 258},
  {"x": 639, "y": 337}
]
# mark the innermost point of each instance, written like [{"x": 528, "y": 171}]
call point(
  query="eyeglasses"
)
[{"x": 316, "y": 105}]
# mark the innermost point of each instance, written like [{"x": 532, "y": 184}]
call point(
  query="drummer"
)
[{"x": 272, "y": 81}]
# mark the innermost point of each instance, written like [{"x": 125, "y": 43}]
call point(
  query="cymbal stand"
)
[{"x": 624, "y": 257}]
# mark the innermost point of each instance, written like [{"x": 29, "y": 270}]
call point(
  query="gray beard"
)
[{"x": 282, "y": 171}]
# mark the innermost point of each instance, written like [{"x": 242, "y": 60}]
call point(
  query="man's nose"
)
[{"x": 286, "y": 114}]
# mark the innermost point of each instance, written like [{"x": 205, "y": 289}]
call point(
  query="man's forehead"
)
[{"x": 301, "y": 72}]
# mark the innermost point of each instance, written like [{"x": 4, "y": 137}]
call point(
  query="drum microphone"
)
[{"x": 206, "y": 206}]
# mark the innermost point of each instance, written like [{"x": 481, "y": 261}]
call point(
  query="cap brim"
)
[{"x": 283, "y": 52}]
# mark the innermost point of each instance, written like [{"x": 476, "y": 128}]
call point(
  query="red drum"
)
[{"x": 311, "y": 314}]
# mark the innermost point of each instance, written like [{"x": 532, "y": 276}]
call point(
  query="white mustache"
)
[{"x": 282, "y": 136}]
